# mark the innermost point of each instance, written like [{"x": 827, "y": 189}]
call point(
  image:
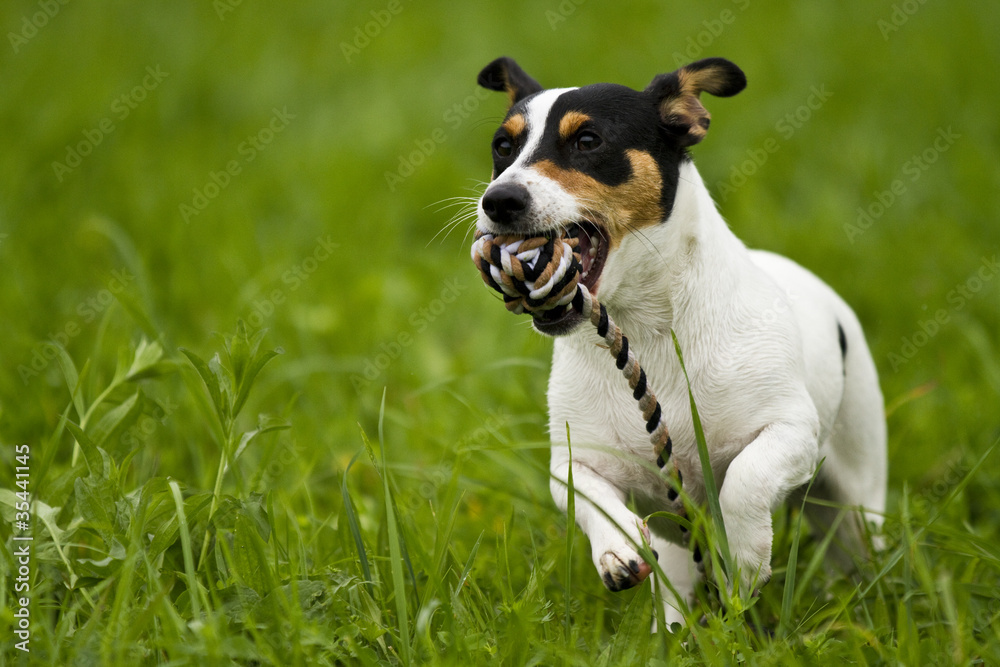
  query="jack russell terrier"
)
[{"x": 778, "y": 363}]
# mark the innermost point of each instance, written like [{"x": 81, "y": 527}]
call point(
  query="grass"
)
[{"x": 378, "y": 493}]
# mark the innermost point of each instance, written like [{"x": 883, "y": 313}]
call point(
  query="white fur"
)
[
  {"x": 760, "y": 342},
  {"x": 551, "y": 204}
]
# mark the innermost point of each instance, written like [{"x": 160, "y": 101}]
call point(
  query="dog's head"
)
[{"x": 597, "y": 162}]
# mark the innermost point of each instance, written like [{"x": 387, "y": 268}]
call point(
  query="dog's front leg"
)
[
  {"x": 780, "y": 459},
  {"x": 614, "y": 530}
]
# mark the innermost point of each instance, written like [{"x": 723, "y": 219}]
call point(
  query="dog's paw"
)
[
  {"x": 619, "y": 573},
  {"x": 754, "y": 562},
  {"x": 622, "y": 567}
]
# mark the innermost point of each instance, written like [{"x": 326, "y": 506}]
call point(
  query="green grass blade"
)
[
  {"x": 788, "y": 595},
  {"x": 819, "y": 556},
  {"x": 468, "y": 565},
  {"x": 903, "y": 549},
  {"x": 90, "y": 455},
  {"x": 72, "y": 380},
  {"x": 631, "y": 643},
  {"x": 570, "y": 533},
  {"x": 395, "y": 552},
  {"x": 355, "y": 526},
  {"x": 194, "y": 592},
  {"x": 116, "y": 420},
  {"x": 711, "y": 490},
  {"x": 211, "y": 384}
]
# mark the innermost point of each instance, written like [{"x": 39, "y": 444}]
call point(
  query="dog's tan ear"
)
[
  {"x": 505, "y": 75},
  {"x": 676, "y": 95}
]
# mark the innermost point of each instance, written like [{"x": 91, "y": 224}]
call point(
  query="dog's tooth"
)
[
  {"x": 594, "y": 241},
  {"x": 584, "y": 274},
  {"x": 592, "y": 252}
]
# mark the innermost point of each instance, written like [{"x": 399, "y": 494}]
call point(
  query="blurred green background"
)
[
  {"x": 355, "y": 114},
  {"x": 167, "y": 168},
  {"x": 357, "y": 107}
]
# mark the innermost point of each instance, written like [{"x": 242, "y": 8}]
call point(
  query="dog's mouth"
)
[{"x": 592, "y": 245}]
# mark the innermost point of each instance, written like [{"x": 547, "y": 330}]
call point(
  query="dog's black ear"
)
[
  {"x": 505, "y": 75},
  {"x": 676, "y": 95}
]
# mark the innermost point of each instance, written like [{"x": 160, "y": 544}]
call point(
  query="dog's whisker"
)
[
  {"x": 647, "y": 241},
  {"x": 448, "y": 202},
  {"x": 492, "y": 120},
  {"x": 463, "y": 215}
]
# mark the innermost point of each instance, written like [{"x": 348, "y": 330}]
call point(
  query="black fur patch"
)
[
  {"x": 623, "y": 118},
  {"x": 503, "y": 74}
]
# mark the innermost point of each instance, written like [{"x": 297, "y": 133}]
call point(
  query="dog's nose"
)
[{"x": 506, "y": 202}]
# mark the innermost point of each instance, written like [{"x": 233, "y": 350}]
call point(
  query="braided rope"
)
[{"x": 539, "y": 274}]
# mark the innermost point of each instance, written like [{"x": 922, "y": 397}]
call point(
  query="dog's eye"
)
[
  {"x": 502, "y": 147},
  {"x": 588, "y": 141}
]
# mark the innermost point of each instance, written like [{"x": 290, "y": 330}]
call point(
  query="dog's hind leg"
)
[
  {"x": 854, "y": 467},
  {"x": 681, "y": 573}
]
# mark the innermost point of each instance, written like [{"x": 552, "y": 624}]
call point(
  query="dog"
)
[{"x": 778, "y": 364}]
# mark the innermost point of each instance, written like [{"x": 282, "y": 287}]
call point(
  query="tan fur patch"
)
[
  {"x": 619, "y": 209},
  {"x": 570, "y": 123},
  {"x": 685, "y": 108},
  {"x": 515, "y": 125},
  {"x": 709, "y": 79}
]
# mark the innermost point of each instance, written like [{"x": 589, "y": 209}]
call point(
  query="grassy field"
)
[{"x": 168, "y": 170}]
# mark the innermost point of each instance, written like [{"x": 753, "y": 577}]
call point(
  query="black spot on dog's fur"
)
[{"x": 842, "y": 339}]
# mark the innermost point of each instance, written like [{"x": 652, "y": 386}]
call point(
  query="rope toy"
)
[{"x": 540, "y": 274}]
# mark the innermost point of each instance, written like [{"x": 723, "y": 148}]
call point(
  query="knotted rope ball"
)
[{"x": 540, "y": 275}]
